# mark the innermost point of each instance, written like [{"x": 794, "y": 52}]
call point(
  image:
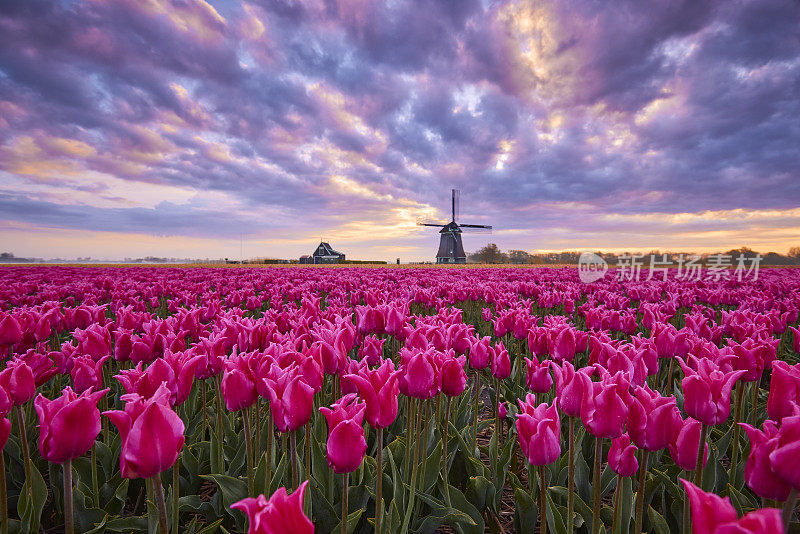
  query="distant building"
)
[{"x": 323, "y": 254}]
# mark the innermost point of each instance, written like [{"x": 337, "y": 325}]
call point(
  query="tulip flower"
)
[
  {"x": 152, "y": 434},
  {"x": 685, "y": 444},
  {"x": 378, "y": 389},
  {"x": 346, "y": 442},
  {"x": 786, "y": 453},
  {"x": 652, "y": 419},
  {"x": 758, "y": 473},
  {"x": 707, "y": 390},
  {"x": 10, "y": 330},
  {"x": 501, "y": 363},
  {"x": 419, "y": 376},
  {"x": 538, "y": 376},
  {"x": 784, "y": 390},
  {"x": 622, "y": 456},
  {"x": 87, "y": 373},
  {"x": 480, "y": 353},
  {"x": 564, "y": 345},
  {"x": 372, "y": 349},
  {"x": 290, "y": 399},
  {"x": 18, "y": 380},
  {"x": 502, "y": 410},
  {"x": 68, "y": 425},
  {"x": 712, "y": 514},
  {"x": 280, "y": 514},
  {"x": 454, "y": 379},
  {"x": 539, "y": 431},
  {"x": 604, "y": 409}
]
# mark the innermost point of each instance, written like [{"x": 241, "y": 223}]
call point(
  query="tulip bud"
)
[
  {"x": 712, "y": 514},
  {"x": 346, "y": 443},
  {"x": 683, "y": 449},
  {"x": 281, "y": 513},
  {"x": 68, "y": 425},
  {"x": 539, "y": 431},
  {"x": 622, "y": 456},
  {"x": 758, "y": 473}
]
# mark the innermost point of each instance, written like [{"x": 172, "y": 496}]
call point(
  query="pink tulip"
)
[
  {"x": 5, "y": 432},
  {"x": 539, "y": 431},
  {"x": 372, "y": 349},
  {"x": 571, "y": 388},
  {"x": 501, "y": 363},
  {"x": 281, "y": 514},
  {"x": 10, "y": 329},
  {"x": 379, "y": 389},
  {"x": 419, "y": 376},
  {"x": 18, "y": 381},
  {"x": 707, "y": 391},
  {"x": 784, "y": 457},
  {"x": 68, "y": 425},
  {"x": 795, "y": 339},
  {"x": 480, "y": 353},
  {"x": 564, "y": 345},
  {"x": 238, "y": 383},
  {"x": 346, "y": 443},
  {"x": 502, "y": 410},
  {"x": 712, "y": 514},
  {"x": 622, "y": 456},
  {"x": 683, "y": 449},
  {"x": 86, "y": 373},
  {"x": 653, "y": 420},
  {"x": 538, "y": 376},
  {"x": 604, "y": 409},
  {"x": 784, "y": 390},
  {"x": 758, "y": 473},
  {"x": 151, "y": 432},
  {"x": 454, "y": 378},
  {"x": 290, "y": 399}
]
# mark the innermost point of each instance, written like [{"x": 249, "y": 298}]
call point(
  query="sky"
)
[{"x": 188, "y": 128}]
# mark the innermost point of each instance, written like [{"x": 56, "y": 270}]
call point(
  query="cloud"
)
[{"x": 560, "y": 118}]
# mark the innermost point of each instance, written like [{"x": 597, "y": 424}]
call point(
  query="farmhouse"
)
[{"x": 324, "y": 253}]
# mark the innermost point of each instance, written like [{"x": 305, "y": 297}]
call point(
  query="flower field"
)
[{"x": 296, "y": 400}]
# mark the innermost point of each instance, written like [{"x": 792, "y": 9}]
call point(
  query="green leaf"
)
[
  {"x": 657, "y": 521},
  {"x": 440, "y": 516},
  {"x": 352, "y": 522},
  {"x": 459, "y": 502},
  {"x": 525, "y": 513},
  {"x": 31, "y": 501},
  {"x": 127, "y": 524},
  {"x": 233, "y": 490},
  {"x": 555, "y": 520}
]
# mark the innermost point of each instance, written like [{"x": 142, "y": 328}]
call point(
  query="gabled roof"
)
[{"x": 328, "y": 250}]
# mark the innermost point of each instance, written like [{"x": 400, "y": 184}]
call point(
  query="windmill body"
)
[{"x": 451, "y": 248}]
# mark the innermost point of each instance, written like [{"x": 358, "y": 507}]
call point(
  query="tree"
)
[
  {"x": 518, "y": 256},
  {"x": 794, "y": 252},
  {"x": 491, "y": 253}
]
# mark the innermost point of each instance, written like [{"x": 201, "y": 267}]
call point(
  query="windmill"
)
[{"x": 451, "y": 250}]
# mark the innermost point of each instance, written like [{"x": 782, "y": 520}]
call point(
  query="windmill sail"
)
[{"x": 451, "y": 248}]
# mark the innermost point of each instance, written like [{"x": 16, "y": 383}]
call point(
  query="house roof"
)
[{"x": 328, "y": 250}]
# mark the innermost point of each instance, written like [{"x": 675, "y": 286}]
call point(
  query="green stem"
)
[
  {"x": 413, "y": 488},
  {"x": 293, "y": 453},
  {"x": 248, "y": 446},
  {"x": 3, "y": 495},
  {"x": 270, "y": 438},
  {"x": 701, "y": 448},
  {"x": 220, "y": 446},
  {"x": 176, "y": 491},
  {"x": 26, "y": 452},
  {"x": 379, "y": 482},
  {"x": 308, "y": 449},
  {"x": 670, "y": 375},
  {"x": 571, "y": 477},
  {"x": 345, "y": 509},
  {"x": 69, "y": 527},
  {"x": 542, "y": 502},
  {"x": 497, "y": 427},
  {"x": 445, "y": 435},
  {"x": 737, "y": 416},
  {"x": 95, "y": 485},
  {"x": 788, "y": 508},
  {"x": 161, "y": 506},
  {"x": 618, "y": 490},
  {"x": 640, "y": 491},
  {"x": 596, "y": 489},
  {"x": 475, "y": 410},
  {"x": 754, "y": 404}
]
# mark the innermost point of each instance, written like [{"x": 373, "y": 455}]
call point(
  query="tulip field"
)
[{"x": 356, "y": 400}]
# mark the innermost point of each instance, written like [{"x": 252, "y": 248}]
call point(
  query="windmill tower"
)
[{"x": 451, "y": 249}]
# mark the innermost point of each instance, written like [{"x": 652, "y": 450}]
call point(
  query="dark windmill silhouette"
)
[{"x": 451, "y": 249}]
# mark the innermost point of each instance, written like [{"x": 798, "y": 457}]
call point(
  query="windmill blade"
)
[
  {"x": 456, "y": 204},
  {"x": 437, "y": 225},
  {"x": 486, "y": 226},
  {"x": 477, "y": 230}
]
